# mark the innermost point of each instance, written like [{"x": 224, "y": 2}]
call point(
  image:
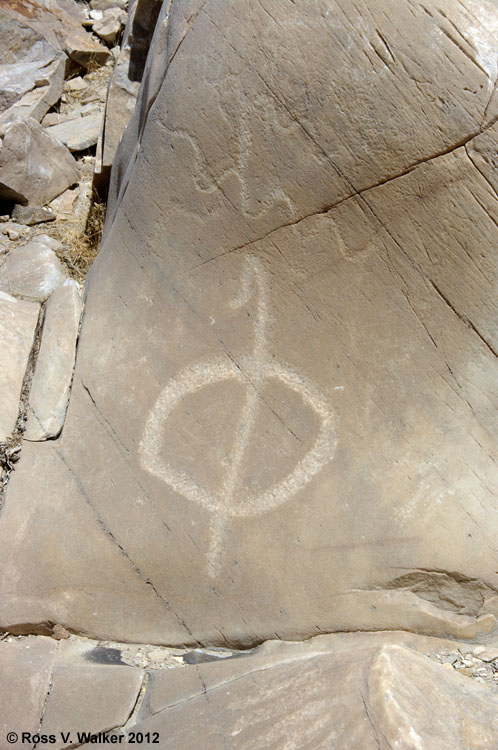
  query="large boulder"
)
[
  {"x": 284, "y": 405},
  {"x": 34, "y": 166}
]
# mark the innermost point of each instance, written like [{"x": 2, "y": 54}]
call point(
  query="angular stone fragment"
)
[
  {"x": 34, "y": 166},
  {"x": 60, "y": 23},
  {"x": 55, "y": 687},
  {"x": 36, "y": 102},
  {"x": 32, "y": 270},
  {"x": 109, "y": 26},
  {"x": 31, "y": 73},
  {"x": 49, "y": 392},
  {"x": 18, "y": 321},
  {"x": 79, "y": 133},
  {"x": 26, "y": 667},
  {"x": 76, "y": 84},
  {"x": 88, "y": 695},
  {"x": 287, "y": 365},
  {"x": 64, "y": 203},
  {"x": 31, "y": 215}
]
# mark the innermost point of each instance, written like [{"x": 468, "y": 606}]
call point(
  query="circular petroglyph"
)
[{"x": 230, "y": 500}]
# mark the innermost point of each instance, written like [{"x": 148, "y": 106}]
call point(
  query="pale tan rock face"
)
[{"x": 284, "y": 405}]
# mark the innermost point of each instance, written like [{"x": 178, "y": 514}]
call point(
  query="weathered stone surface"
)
[
  {"x": 26, "y": 665},
  {"x": 33, "y": 165},
  {"x": 287, "y": 365},
  {"x": 362, "y": 691},
  {"x": 49, "y": 392},
  {"x": 32, "y": 270},
  {"x": 483, "y": 152},
  {"x": 79, "y": 133},
  {"x": 31, "y": 73},
  {"x": 60, "y": 23},
  {"x": 18, "y": 321},
  {"x": 110, "y": 25},
  {"x": 89, "y": 693},
  {"x": 52, "y": 688},
  {"x": 36, "y": 102}
]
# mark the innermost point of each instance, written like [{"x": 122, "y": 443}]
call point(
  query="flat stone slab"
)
[
  {"x": 49, "y": 394},
  {"x": 284, "y": 401},
  {"x": 54, "y": 687},
  {"x": 328, "y": 693},
  {"x": 34, "y": 166},
  {"x": 32, "y": 270},
  {"x": 26, "y": 665},
  {"x": 79, "y": 133},
  {"x": 18, "y": 321},
  {"x": 332, "y": 691}
]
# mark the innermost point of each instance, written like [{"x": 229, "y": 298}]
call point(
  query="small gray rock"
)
[{"x": 31, "y": 215}]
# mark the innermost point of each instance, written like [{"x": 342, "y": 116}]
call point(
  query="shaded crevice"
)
[
  {"x": 480, "y": 171},
  {"x": 464, "y": 319},
  {"x": 10, "y": 450},
  {"x": 370, "y": 720},
  {"x": 49, "y": 690},
  {"x": 140, "y": 699}
]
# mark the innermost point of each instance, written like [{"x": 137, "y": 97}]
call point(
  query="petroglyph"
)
[
  {"x": 210, "y": 180},
  {"x": 231, "y": 500}
]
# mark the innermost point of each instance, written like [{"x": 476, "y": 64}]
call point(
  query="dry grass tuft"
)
[{"x": 81, "y": 242}]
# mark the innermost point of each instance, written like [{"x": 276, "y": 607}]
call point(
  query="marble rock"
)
[
  {"x": 78, "y": 133},
  {"x": 284, "y": 401},
  {"x": 34, "y": 166},
  {"x": 49, "y": 394},
  {"x": 32, "y": 270},
  {"x": 18, "y": 322}
]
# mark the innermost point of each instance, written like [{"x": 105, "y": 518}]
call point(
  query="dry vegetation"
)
[{"x": 80, "y": 244}]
